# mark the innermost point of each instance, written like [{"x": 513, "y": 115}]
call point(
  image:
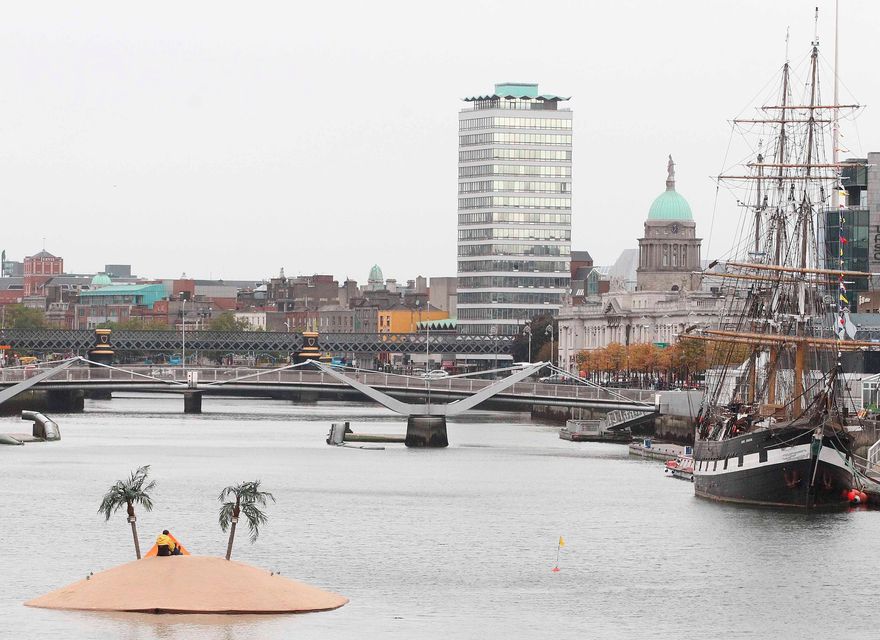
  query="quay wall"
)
[{"x": 674, "y": 424}]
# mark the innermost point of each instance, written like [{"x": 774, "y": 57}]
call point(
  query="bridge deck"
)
[{"x": 215, "y": 380}]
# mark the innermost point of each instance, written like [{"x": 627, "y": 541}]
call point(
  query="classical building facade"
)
[
  {"x": 514, "y": 208},
  {"x": 669, "y": 252},
  {"x": 667, "y": 298}
]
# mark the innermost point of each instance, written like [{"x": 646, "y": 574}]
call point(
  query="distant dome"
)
[
  {"x": 101, "y": 280},
  {"x": 670, "y": 205},
  {"x": 376, "y": 276}
]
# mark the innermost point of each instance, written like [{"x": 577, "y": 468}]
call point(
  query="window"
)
[
  {"x": 762, "y": 455},
  {"x": 740, "y": 462},
  {"x": 715, "y": 466},
  {"x": 725, "y": 463}
]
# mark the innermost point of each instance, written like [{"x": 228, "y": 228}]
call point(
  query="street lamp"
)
[
  {"x": 183, "y": 339},
  {"x": 549, "y": 332},
  {"x": 528, "y": 331}
]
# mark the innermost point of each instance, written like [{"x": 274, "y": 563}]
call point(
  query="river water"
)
[{"x": 452, "y": 543}]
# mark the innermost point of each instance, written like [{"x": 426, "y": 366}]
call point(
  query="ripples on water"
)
[{"x": 454, "y": 543}]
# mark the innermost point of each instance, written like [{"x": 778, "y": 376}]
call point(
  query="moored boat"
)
[
  {"x": 682, "y": 468},
  {"x": 593, "y": 431},
  {"x": 774, "y": 426}
]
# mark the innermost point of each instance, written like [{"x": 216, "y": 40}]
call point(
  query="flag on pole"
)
[{"x": 558, "y": 547}]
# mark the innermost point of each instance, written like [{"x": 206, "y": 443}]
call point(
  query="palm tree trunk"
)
[
  {"x": 134, "y": 534},
  {"x": 231, "y": 538},
  {"x": 235, "y": 513}
]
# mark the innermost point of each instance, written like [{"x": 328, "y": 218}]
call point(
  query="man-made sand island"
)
[{"x": 189, "y": 584}]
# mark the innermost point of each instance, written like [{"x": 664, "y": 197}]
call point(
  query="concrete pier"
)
[
  {"x": 426, "y": 431},
  {"x": 192, "y": 401},
  {"x": 63, "y": 401}
]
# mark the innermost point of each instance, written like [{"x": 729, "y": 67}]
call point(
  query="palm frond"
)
[
  {"x": 249, "y": 499},
  {"x": 255, "y": 519},
  {"x": 226, "y": 512},
  {"x": 135, "y": 489}
]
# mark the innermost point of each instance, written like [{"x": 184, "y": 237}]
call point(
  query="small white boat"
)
[{"x": 682, "y": 467}]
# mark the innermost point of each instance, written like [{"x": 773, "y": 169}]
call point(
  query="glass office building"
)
[{"x": 514, "y": 208}]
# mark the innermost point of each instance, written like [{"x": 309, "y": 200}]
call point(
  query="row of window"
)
[
  {"x": 513, "y": 217},
  {"x": 484, "y": 202},
  {"x": 497, "y": 153},
  {"x": 508, "y": 297},
  {"x": 513, "y": 250},
  {"x": 514, "y": 185},
  {"x": 513, "y": 170},
  {"x": 521, "y": 266},
  {"x": 530, "y": 282},
  {"x": 514, "y": 123},
  {"x": 515, "y": 103},
  {"x": 497, "y": 313},
  {"x": 513, "y": 233},
  {"x": 514, "y": 138}
]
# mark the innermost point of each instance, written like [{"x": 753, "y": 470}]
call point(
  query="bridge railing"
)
[{"x": 250, "y": 376}]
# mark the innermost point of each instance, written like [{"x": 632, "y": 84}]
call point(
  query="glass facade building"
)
[
  {"x": 859, "y": 248},
  {"x": 514, "y": 208}
]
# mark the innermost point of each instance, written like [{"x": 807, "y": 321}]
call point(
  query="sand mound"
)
[{"x": 189, "y": 584}]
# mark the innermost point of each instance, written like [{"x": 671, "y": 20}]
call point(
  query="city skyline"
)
[{"x": 172, "y": 133}]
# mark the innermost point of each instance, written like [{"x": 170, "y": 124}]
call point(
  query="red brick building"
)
[{"x": 38, "y": 269}]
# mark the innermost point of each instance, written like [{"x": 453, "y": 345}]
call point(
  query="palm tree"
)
[
  {"x": 134, "y": 490},
  {"x": 248, "y": 500}
]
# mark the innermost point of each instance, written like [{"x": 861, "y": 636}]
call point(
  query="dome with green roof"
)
[
  {"x": 376, "y": 276},
  {"x": 670, "y": 205},
  {"x": 101, "y": 280}
]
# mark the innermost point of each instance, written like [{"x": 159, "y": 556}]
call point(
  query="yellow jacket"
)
[{"x": 165, "y": 540}]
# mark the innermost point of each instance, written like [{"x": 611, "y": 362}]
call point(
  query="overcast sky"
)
[{"x": 231, "y": 139}]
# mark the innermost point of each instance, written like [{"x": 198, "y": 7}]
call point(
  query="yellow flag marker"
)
[{"x": 558, "y": 547}]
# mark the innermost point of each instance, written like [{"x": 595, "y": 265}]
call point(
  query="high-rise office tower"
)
[{"x": 514, "y": 208}]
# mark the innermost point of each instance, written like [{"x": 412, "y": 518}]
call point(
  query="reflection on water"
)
[{"x": 426, "y": 543}]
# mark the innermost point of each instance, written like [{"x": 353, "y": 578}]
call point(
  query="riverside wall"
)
[{"x": 674, "y": 424}]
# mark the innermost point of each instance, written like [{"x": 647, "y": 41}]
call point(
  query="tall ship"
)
[{"x": 773, "y": 427}]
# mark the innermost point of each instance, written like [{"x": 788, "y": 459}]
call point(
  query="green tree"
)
[
  {"x": 248, "y": 500},
  {"x": 540, "y": 337},
  {"x": 18, "y": 316},
  {"x": 129, "y": 492},
  {"x": 227, "y": 321},
  {"x": 136, "y": 324}
]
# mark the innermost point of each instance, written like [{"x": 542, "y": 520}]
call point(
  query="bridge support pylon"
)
[
  {"x": 426, "y": 431},
  {"x": 192, "y": 402}
]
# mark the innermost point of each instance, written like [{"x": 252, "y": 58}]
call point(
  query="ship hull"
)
[{"x": 778, "y": 468}]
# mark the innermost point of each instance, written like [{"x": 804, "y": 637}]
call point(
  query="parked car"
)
[
  {"x": 436, "y": 374},
  {"x": 556, "y": 378}
]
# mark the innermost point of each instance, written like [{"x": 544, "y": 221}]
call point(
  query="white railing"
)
[
  {"x": 249, "y": 376},
  {"x": 873, "y": 455}
]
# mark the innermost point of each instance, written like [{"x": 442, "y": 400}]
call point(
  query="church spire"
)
[{"x": 670, "y": 175}]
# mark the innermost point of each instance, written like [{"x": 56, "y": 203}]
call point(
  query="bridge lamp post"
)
[
  {"x": 528, "y": 331},
  {"x": 183, "y": 339},
  {"x": 549, "y": 332}
]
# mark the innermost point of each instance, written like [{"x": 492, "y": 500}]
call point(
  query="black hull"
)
[{"x": 776, "y": 469}]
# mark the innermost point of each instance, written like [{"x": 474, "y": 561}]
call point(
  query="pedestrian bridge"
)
[{"x": 330, "y": 383}]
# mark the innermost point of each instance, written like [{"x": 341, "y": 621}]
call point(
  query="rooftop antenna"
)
[{"x": 816, "y": 28}]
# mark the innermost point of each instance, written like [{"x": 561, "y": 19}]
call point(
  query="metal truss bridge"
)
[{"x": 79, "y": 341}]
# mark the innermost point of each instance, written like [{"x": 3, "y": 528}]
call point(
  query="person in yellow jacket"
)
[{"x": 166, "y": 545}]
